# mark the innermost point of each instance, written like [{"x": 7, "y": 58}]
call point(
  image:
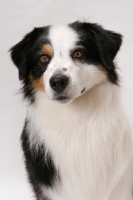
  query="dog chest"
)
[{"x": 84, "y": 150}]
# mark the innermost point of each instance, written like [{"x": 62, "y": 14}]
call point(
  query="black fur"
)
[
  {"x": 22, "y": 53},
  {"x": 101, "y": 46},
  {"x": 39, "y": 165},
  {"x": 25, "y": 57}
]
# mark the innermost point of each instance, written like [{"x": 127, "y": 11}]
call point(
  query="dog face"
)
[{"x": 66, "y": 61}]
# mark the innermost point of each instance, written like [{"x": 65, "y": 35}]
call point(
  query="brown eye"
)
[
  {"x": 44, "y": 59},
  {"x": 78, "y": 54}
]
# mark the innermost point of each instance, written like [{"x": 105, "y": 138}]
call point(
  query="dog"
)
[{"x": 76, "y": 139}]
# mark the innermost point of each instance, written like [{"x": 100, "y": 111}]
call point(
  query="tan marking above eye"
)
[
  {"x": 47, "y": 49},
  {"x": 44, "y": 59}
]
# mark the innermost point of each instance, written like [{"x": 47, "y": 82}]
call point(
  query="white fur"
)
[
  {"x": 90, "y": 142},
  {"x": 89, "y": 138},
  {"x": 63, "y": 40}
]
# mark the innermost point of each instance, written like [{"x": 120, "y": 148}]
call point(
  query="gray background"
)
[{"x": 16, "y": 19}]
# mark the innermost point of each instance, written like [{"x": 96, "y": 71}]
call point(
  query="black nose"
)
[{"x": 58, "y": 83}]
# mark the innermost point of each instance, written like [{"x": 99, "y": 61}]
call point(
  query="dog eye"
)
[
  {"x": 78, "y": 54},
  {"x": 44, "y": 59}
]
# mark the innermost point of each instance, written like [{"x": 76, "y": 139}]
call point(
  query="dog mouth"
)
[{"x": 63, "y": 99}]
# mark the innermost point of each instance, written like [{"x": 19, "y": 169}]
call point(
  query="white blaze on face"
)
[{"x": 81, "y": 75}]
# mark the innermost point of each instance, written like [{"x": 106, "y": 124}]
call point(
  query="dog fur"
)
[{"x": 76, "y": 139}]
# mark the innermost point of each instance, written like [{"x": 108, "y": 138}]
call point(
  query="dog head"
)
[{"x": 66, "y": 61}]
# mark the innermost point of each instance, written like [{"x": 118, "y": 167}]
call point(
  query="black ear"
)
[
  {"x": 108, "y": 44},
  {"x": 20, "y": 52}
]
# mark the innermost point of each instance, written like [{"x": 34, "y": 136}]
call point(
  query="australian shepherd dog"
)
[{"x": 76, "y": 139}]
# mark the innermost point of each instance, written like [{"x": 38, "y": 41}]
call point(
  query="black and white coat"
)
[{"x": 76, "y": 139}]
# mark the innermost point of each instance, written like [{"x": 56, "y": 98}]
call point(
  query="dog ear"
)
[
  {"x": 108, "y": 44},
  {"x": 20, "y": 52}
]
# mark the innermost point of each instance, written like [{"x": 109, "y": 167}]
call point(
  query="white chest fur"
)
[{"x": 89, "y": 140}]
